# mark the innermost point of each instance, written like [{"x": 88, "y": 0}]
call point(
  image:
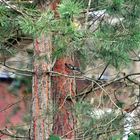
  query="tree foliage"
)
[{"x": 113, "y": 42}]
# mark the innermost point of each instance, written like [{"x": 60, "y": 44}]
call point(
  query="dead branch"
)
[
  {"x": 16, "y": 69},
  {"x": 12, "y": 135}
]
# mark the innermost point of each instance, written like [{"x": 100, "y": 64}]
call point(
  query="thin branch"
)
[
  {"x": 18, "y": 73},
  {"x": 87, "y": 91},
  {"x": 133, "y": 81},
  {"x": 104, "y": 70},
  {"x": 111, "y": 120},
  {"x": 137, "y": 55},
  {"x": 99, "y": 17},
  {"x": 91, "y": 79},
  {"x": 12, "y": 136},
  {"x": 12, "y": 7},
  {"x": 16, "y": 69},
  {"x": 87, "y": 14},
  {"x": 53, "y": 63},
  {"x": 13, "y": 104},
  {"x": 136, "y": 60}
]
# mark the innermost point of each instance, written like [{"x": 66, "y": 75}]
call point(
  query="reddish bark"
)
[
  {"x": 64, "y": 120},
  {"x": 41, "y": 96},
  {"x": 63, "y": 87},
  {"x": 54, "y": 5}
]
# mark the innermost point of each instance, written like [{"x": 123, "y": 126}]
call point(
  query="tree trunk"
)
[
  {"x": 42, "y": 111},
  {"x": 64, "y": 119},
  {"x": 41, "y": 94}
]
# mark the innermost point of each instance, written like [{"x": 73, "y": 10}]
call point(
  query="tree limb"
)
[
  {"x": 16, "y": 69},
  {"x": 12, "y": 136}
]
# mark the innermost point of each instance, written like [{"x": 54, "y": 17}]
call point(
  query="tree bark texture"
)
[
  {"x": 42, "y": 111},
  {"x": 41, "y": 94},
  {"x": 64, "y": 120}
]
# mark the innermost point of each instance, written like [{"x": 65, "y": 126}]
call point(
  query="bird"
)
[{"x": 73, "y": 68}]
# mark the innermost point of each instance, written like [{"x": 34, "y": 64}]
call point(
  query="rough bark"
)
[
  {"x": 64, "y": 120},
  {"x": 41, "y": 95}
]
